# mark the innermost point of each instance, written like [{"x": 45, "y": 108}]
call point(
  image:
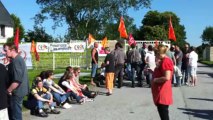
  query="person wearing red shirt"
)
[{"x": 162, "y": 83}]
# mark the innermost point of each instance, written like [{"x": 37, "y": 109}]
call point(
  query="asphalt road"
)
[{"x": 190, "y": 103}]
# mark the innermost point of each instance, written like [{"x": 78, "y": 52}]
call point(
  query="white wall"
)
[{"x": 8, "y": 34}]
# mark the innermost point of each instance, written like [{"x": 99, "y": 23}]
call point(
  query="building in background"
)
[{"x": 6, "y": 24}]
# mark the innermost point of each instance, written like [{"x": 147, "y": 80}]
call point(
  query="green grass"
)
[{"x": 210, "y": 63}]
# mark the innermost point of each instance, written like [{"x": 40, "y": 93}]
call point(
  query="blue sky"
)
[{"x": 195, "y": 15}]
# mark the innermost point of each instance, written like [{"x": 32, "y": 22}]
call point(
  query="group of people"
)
[
  {"x": 14, "y": 84},
  {"x": 161, "y": 66},
  {"x": 45, "y": 90}
]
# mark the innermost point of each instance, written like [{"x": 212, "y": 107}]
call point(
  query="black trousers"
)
[
  {"x": 163, "y": 111},
  {"x": 119, "y": 69}
]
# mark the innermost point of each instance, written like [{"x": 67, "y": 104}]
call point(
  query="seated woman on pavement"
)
[
  {"x": 41, "y": 77},
  {"x": 59, "y": 95},
  {"x": 83, "y": 87},
  {"x": 70, "y": 88},
  {"x": 41, "y": 96},
  {"x": 71, "y": 80}
]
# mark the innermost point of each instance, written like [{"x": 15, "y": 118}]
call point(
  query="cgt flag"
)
[
  {"x": 131, "y": 40},
  {"x": 171, "y": 31},
  {"x": 122, "y": 29},
  {"x": 34, "y": 50},
  {"x": 16, "y": 38},
  {"x": 104, "y": 42}
]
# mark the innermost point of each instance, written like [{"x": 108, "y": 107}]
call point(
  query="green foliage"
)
[
  {"x": 84, "y": 17},
  {"x": 17, "y": 24},
  {"x": 210, "y": 63},
  {"x": 155, "y": 26},
  {"x": 207, "y": 35},
  {"x": 38, "y": 35}
]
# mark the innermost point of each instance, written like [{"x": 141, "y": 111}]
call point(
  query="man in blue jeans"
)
[
  {"x": 40, "y": 96},
  {"x": 94, "y": 55},
  {"x": 19, "y": 83}
]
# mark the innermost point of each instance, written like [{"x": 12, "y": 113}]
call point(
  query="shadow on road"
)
[
  {"x": 210, "y": 74},
  {"x": 203, "y": 114},
  {"x": 205, "y": 99}
]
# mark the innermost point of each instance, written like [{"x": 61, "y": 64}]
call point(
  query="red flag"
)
[
  {"x": 171, "y": 31},
  {"x": 122, "y": 29},
  {"x": 34, "y": 50},
  {"x": 91, "y": 39},
  {"x": 16, "y": 38},
  {"x": 104, "y": 42},
  {"x": 131, "y": 40},
  {"x": 33, "y": 46}
]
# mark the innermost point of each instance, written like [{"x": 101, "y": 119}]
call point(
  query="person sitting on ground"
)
[
  {"x": 84, "y": 88},
  {"x": 58, "y": 93},
  {"x": 69, "y": 87},
  {"x": 42, "y": 96},
  {"x": 85, "y": 93},
  {"x": 68, "y": 69}
]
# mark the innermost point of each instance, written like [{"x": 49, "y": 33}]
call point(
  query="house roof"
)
[{"x": 5, "y": 18}]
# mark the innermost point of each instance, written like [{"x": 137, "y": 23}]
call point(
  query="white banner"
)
[
  {"x": 78, "y": 47},
  {"x": 61, "y": 47},
  {"x": 42, "y": 47},
  {"x": 24, "y": 52}
]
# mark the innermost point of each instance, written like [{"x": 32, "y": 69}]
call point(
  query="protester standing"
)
[
  {"x": 135, "y": 59},
  {"x": 143, "y": 50},
  {"x": 109, "y": 64},
  {"x": 185, "y": 64},
  {"x": 120, "y": 58},
  {"x": 19, "y": 84},
  {"x": 150, "y": 61},
  {"x": 178, "y": 57},
  {"x": 3, "y": 93},
  {"x": 193, "y": 58},
  {"x": 161, "y": 84},
  {"x": 94, "y": 55}
]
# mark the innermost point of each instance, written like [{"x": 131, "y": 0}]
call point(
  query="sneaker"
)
[
  {"x": 89, "y": 100},
  {"x": 66, "y": 106},
  {"x": 54, "y": 111},
  {"x": 42, "y": 114}
]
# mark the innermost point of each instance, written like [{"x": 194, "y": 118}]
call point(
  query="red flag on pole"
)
[
  {"x": 104, "y": 42},
  {"x": 91, "y": 39},
  {"x": 171, "y": 31},
  {"x": 122, "y": 29},
  {"x": 131, "y": 40},
  {"x": 34, "y": 50},
  {"x": 16, "y": 38}
]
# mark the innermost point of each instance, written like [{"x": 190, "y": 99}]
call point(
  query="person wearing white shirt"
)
[
  {"x": 150, "y": 62},
  {"x": 193, "y": 58}
]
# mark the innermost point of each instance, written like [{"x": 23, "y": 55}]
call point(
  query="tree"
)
[
  {"x": 84, "y": 17},
  {"x": 17, "y": 24},
  {"x": 155, "y": 27},
  {"x": 38, "y": 35},
  {"x": 207, "y": 35}
]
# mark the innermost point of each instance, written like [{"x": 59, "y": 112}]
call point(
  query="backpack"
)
[{"x": 135, "y": 56}]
